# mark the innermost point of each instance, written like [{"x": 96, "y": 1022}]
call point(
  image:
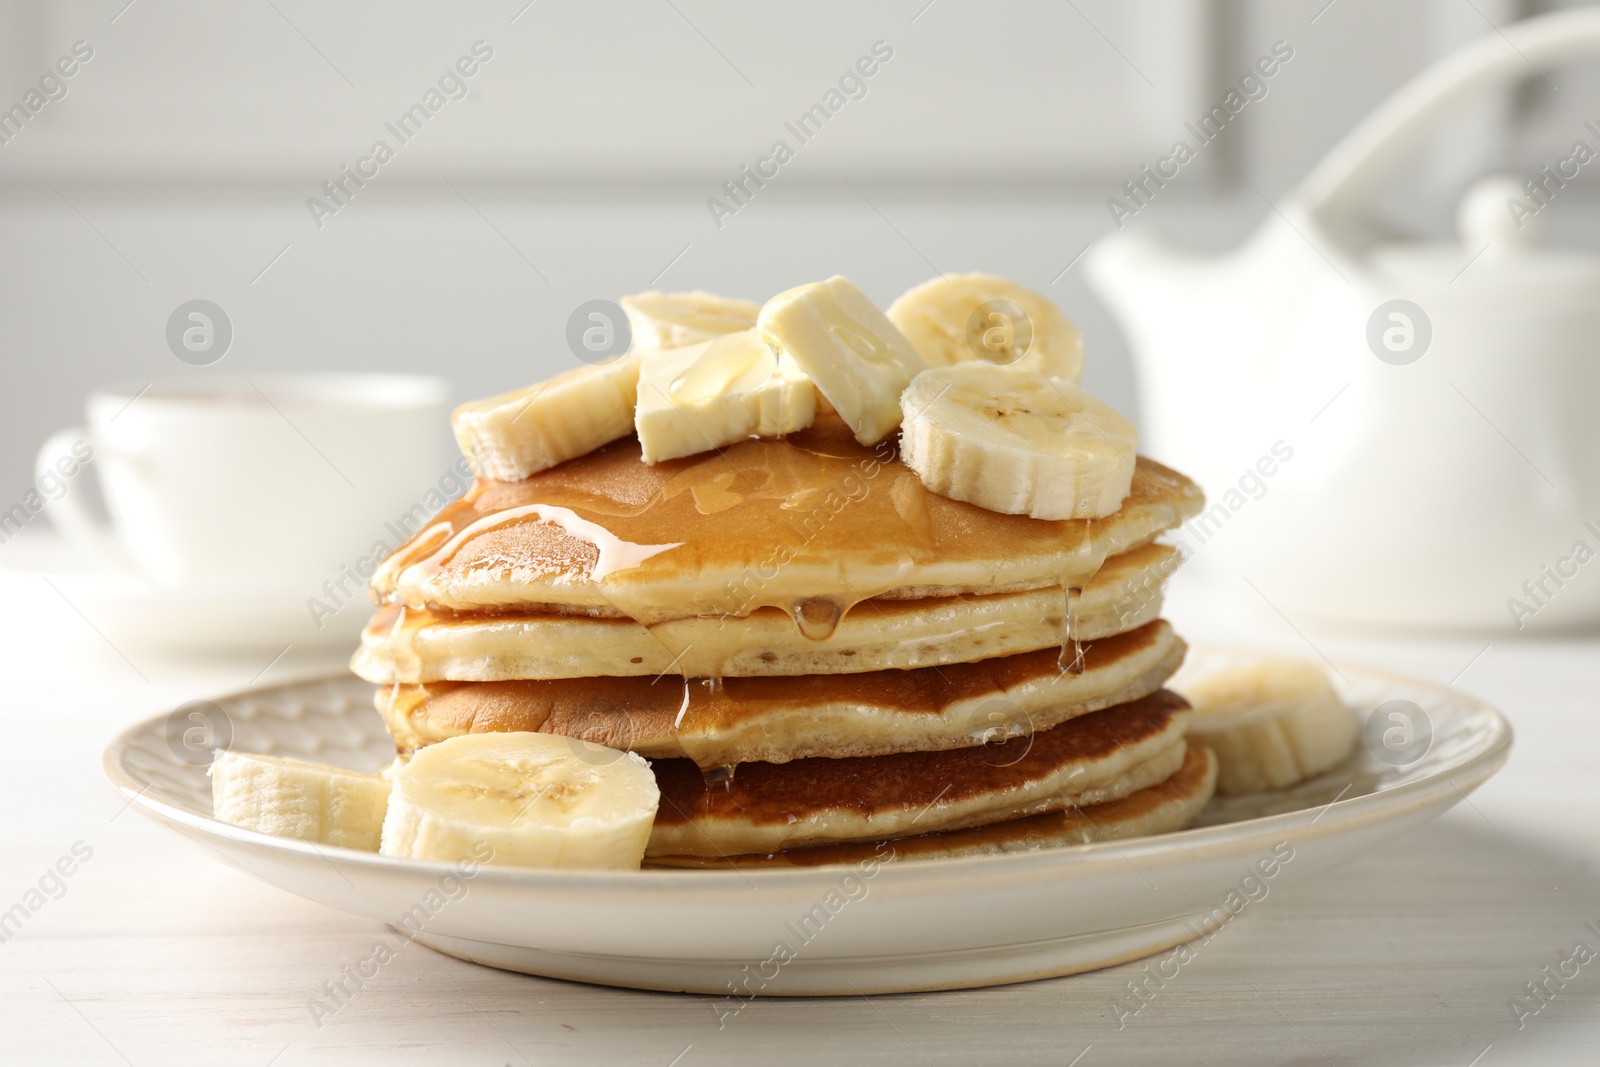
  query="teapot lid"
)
[{"x": 1500, "y": 223}]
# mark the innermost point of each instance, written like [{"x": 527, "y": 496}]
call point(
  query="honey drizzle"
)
[
  {"x": 722, "y": 775},
  {"x": 697, "y": 719},
  {"x": 403, "y": 648},
  {"x": 1072, "y": 623},
  {"x": 1069, "y": 634},
  {"x": 613, "y": 553},
  {"x": 722, "y": 366},
  {"x": 677, "y": 723},
  {"x": 808, "y": 513},
  {"x": 817, "y": 617}
]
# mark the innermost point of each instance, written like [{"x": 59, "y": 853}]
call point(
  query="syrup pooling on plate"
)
[{"x": 758, "y": 524}]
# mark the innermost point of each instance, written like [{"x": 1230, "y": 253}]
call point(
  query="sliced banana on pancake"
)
[
  {"x": 511, "y": 436},
  {"x": 712, "y": 394},
  {"x": 1017, "y": 442},
  {"x": 537, "y": 800},
  {"x": 858, "y": 359},
  {"x": 962, "y": 317},
  {"x": 673, "y": 320},
  {"x": 1273, "y": 724},
  {"x": 295, "y": 799}
]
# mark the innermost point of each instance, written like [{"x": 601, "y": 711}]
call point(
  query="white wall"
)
[{"x": 411, "y": 276}]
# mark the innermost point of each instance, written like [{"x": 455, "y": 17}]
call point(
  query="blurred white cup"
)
[{"x": 267, "y": 479}]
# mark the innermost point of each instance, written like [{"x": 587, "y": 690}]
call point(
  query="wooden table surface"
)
[{"x": 153, "y": 952}]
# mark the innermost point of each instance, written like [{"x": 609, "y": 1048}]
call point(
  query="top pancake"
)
[{"x": 809, "y": 524}]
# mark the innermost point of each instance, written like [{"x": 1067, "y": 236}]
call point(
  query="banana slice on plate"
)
[
  {"x": 511, "y": 436},
  {"x": 708, "y": 395},
  {"x": 963, "y": 317},
  {"x": 538, "y": 800},
  {"x": 291, "y": 798},
  {"x": 1272, "y": 723},
  {"x": 1017, "y": 442},
  {"x": 674, "y": 320},
  {"x": 855, "y": 356}
]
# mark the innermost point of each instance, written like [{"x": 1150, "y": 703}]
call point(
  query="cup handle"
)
[{"x": 67, "y": 511}]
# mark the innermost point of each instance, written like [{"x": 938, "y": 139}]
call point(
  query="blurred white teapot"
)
[{"x": 1388, "y": 431}]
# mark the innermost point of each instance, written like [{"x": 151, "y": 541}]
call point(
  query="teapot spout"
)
[
  {"x": 1124, "y": 260},
  {"x": 1170, "y": 304}
]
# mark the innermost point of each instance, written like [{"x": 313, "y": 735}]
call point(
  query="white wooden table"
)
[{"x": 156, "y": 953}]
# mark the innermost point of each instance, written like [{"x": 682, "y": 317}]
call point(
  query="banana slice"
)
[
  {"x": 1272, "y": 724},
  {"x": 856, "y": 357},
  {"x": 962, "y": 317},
  {"x": 1017, "y": 442},
  {"x": 291, "y": 798},
  {"x": 674, "y": 320},
  {"x": 708, "y": 395},
  {"x": 511, "y": 436},
  {"x": 538, "y": 800}
]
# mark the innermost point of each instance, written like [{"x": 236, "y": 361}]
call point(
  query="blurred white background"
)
[
  {"x": 580, "y": 159},
  {"x": 177, "y": 166}
]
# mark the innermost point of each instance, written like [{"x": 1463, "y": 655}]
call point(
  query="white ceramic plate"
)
[{"x": 912, "y": 925}]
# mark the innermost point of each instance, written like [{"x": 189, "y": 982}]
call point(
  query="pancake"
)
[
  {"x": 400, "y": 645},
  {"x": 774, "y": 720},
  {"x": 807, "y": 525},
  {"x": 1157, "y": 809},
  {"x": 768, "y": 807}
]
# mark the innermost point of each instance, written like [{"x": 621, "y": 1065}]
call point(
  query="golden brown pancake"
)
[
  {"x": 768, "y": 807},
  {"x": 807, "y": 525},
  {"x": 1157, "y": 809},
  {"x": 774, "y": 720},
  {"x": 420, "y": 646}
]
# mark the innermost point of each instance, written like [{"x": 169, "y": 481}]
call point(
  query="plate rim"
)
[{"x": 1158, "y": 849}]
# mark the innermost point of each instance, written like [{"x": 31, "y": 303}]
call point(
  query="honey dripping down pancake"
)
[
  {"x": 774, "y": 720},
  {"x": 1157, "y": 809},
  {"x": 810, "y": 524},
  {"x": 765, "y": 807},
  {"x": 401, "y": 645}
]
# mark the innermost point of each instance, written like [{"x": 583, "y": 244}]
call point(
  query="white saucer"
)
[
  {"x": 911, "y": 925},
  {"x": 131, "y": 610}
]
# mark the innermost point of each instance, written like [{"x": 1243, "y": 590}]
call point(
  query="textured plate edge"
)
[{"x": 1160, "y": 850}]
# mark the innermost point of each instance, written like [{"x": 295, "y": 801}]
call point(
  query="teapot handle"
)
[{"x": 1346, "y": 181}]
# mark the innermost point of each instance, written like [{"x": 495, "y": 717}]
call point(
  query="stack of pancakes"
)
[{"x": 815, "y": 652}]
